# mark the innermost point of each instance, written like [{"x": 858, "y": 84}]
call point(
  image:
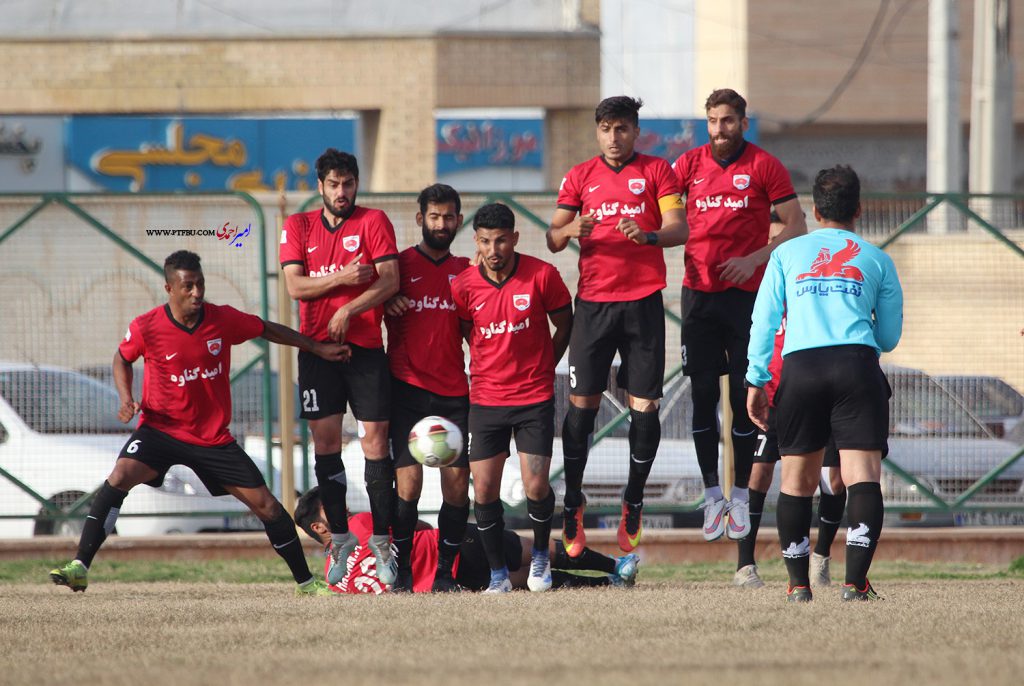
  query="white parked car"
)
[{"x": 59, "y": 438}]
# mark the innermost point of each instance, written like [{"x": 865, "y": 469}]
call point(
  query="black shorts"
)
[
  {"x": 364, "y": 382},
  {"x": 635, "y": 329},
  {"x": 766, "y": 450},
  {"x": 216, "y": 467},
  {"x": 839, "y": 390},
  {"x": 716, "y": 331},
  {"x": 409, "y": 404},
  {"x": 491, "y": 427},
  {"x": 832, "y": 454},
  {"x": 474, "y": 573}
]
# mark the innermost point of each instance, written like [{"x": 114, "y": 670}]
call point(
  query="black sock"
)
[
  {"x": 451, "y": 529},
  {"x": 794, "y": 518},
  {"x": 380, "y": 487},
  {"x": 706, "y": 393},
  {"x": 330, "y": 477},
  {"x": 99, "y": 522},
  {"x": 490, "y": 522},
  {"x": 560, "y": 579},
  {"x": 589, "y": 559},
  {"x": 540, "y": 512},
  {"x": 576, "y": 430},
  {"x": 402, "y": 529},
  {"x": 282, "y": 535},
  {"x": 864, "y": 512},
  {"x": 747, "y": 545},
  {"x": 644, "y": 438},
  {"x": 744, "y": 433},
  {"x": 830, "y": 514}
]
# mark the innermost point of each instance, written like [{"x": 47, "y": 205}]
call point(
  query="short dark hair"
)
[
  {"x": 307, "y": 511},
  {"x": 183, "y": 260},
  {"x": 439, "y": 194},
  {"x": 494, "y": 216},
  {"x": 837, "y": 193},
  {"x": 727, "y": 96},
  {"x": 336, "y": 160},
  {"x": 619, "y": 107}
]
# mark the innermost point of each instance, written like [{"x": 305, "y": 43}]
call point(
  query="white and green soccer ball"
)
[{"x": 435, "y": 442}]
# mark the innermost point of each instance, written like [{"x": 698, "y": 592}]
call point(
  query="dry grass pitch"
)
[{"x": 661, "y": 632}]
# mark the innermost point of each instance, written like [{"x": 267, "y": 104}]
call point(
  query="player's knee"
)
[
  {"x": 455, "y": 486},
  {"x": 704, "y": 388},
  {"x": 267, "y": 508},
  {"x": 409, "y": 482},
  {"x": 644, "y": 432},
  {"x": 576, "y": 430}
]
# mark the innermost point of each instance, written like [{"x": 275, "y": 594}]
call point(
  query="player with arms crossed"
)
[
  {"x": 428, "y": 378},
  {"x": 628, "y": 209},
  {"x": 185, "y": 412},
  {"x": 730, "y": 186},
  {"x": 341, "y": 263},
  {"x": 844, "y": 306},
  {"x": 504, "y": 305}
]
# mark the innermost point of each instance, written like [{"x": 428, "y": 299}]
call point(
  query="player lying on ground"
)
[
  {"x": 184, "y": 415},
  {"x": 472, "y": 571}
]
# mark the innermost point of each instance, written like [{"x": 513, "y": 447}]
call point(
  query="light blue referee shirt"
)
[{"x": 829, "y": 283}]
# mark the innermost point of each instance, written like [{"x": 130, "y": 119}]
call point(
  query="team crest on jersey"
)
[
  {"x": 741, "y": 181},
  {"x": 214, "y": 346},
  {"x": 350, "y": 243},
  {"x": 521, "y": 302},
  {"x": 637, "y": 186}
]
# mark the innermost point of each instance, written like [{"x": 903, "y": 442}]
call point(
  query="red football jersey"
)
[
  {"x": 775, "y": 366},
  {"x": 362, "y": 565},
  {"x": 308, "y": 241},
  {"x": 727, "y": 208},
  {"x": 512, "y": 360},
  {"x": 612, "y": 267},
  {"x": 425, "y": 343},
  {"x": 186, "y": 391}
]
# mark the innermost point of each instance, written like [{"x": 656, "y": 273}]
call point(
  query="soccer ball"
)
[{"x": 435, "y": 442}]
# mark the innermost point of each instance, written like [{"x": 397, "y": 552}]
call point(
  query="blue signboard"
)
[
  {"x": 474, "y": 143},
  {"x": 670, "y": 138},
  {"x": 193, "y": 153}
]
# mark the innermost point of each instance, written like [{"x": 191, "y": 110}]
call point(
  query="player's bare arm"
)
[
  {"x": 123, "y": 375},
  {"x": 281, "y": 334},
  {"x": 382, "y": 289},
  {"x": 739, "y": 269},
  {"x": 757, "y": 407},
  {"x": 565, "y": 225},
  {"x": 302, "y": 287},
  {"x": 562, "y": 321},
  {"x": 674, "y": 229}
]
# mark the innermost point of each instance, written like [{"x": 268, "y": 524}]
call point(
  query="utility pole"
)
[{"x": 944, "y": 131}]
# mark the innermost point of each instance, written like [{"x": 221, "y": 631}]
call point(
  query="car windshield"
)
[
  {"x": 921, "y": 407},
  {"x": 987, "y": 397},
  {"x": 61, "y": 402}
]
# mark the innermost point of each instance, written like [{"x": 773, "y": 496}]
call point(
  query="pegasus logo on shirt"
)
[{"x": 830, "y": 273}]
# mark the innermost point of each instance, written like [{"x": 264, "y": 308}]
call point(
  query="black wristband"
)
[{"x": 652, "y": 237}]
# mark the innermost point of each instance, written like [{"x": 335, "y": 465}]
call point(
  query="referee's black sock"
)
[
  {"x": 403, "y": 528},
  {"x": 560, "y": 579},
  {"x": 589, "y": 559},
  {"x": 380, "y": 487},
  {"x": 644, "y": 439},
  {"x": 540, "y": 512},
  {"x": 794, "y": 520},
  {"x": 330, "y": 477},
  {"x": 864, "y": 513},
  {"x": 576, "y": 430},
  {"x": 99, "y": 522},
  {"x": 451, "y": 530},
  {"x": 830, "y": 514},
  {"x": 282, "y": 535},
  {"x": 746, "y": 546},
  {"x": 704, "y": 388},
  {"x": 490, "y": 522}
]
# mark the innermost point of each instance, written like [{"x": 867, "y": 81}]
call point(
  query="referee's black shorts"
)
[{"x": 838, "y": 390}]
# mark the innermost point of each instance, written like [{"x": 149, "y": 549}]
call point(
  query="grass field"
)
[{"x": 169, "y": 623}]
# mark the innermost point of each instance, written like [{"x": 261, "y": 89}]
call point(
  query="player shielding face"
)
[
  {"x": 505, "y": 305},
  {"x": 341, "y": 263},
  {"x": 185, "y": 411},
  {"x": 844, "y": 306},
  {"x": 428, "y": 378},
  {"x": 730, "y": 185},
  {"x": 623, "y": 208}
]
